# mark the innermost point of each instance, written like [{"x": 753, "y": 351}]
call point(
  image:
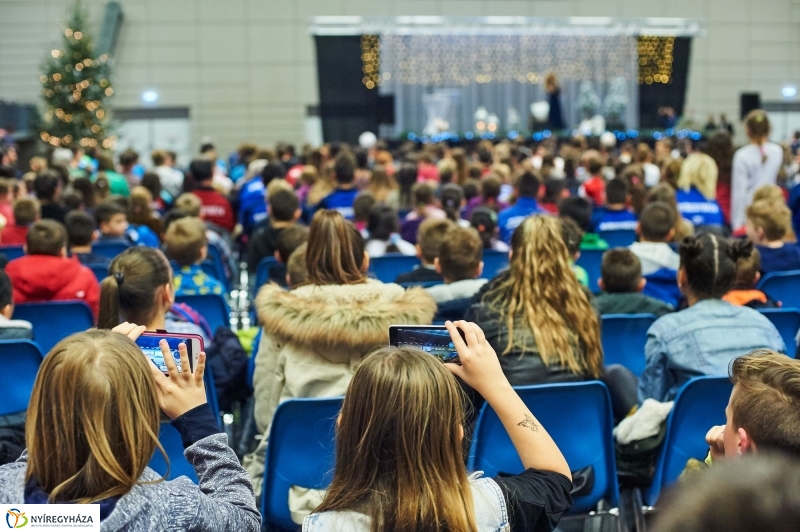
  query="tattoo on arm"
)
[{"x": 529, "y": 422}]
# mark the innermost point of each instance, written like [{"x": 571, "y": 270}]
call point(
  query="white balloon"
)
[
  {"x": 367, "y": 140},
  {"x": 540, "y": 111}
]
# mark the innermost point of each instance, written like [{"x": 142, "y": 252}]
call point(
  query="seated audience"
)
[
  {"x": 6, "y": 201},
  {"x": 81, "y": 232},
  {"x": 622, "y": 284},
  {"x": 11, "y": 329},
  {"x": 142, "y": 219},
  {"x": 26, "y": 211},
  {"x": 117, "y": 183},
  {"x": 342, "y": 198},
  {"x": 47, "y": 187},
  {"x": 283, "y": 211},
  {"x": 289, "y": 240},
  {"x": 572, "y": 235},
  {"x": 666, "y": 194},
  {"x": 491, "y": 188},
  {"x": 383, "y": 187},
  {"x": 423, "y": 199},
  {"x": 527, "y": 190},
  {"x": 697, "y": 191},
  {"x": 362, "y": 206},
  {"x": 46, "y": 274},
  {"x": 616, "y": 216},
  {"x": 484, "y": 220},
  {"x": 92, "y": 428},
  {"x": 399, "y": 449},
  {"x": 216, "y": 208},
  {"x": 431, "y": 236},
  {"x": 767, "y": 224},
  {"x": 296, "y": 271},
  {"x": 253, "y": 191},
  {"x": 744, "y": 291},
  {"x": 555, "y": 190},
  {"x": 594, "y": 187},
  {"x": 579, "y": 210},
  {"x": 452, "y": 199},
  {"x": 704, "y": 338},
  {"x": 536, "y": 316},
  {"x": 314, "y": 336},
  {"x": 460, "y": 264},
  {"x": 186, "y": 245},
  {"x": 656, "y": 228},
  {"x": 112, "y": 222},
  {"x": 383, "y": 236}
]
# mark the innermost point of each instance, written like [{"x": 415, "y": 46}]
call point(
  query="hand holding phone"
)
[
  {"x": 179, "y": 391},
  {"x": 480, "y": 367}
]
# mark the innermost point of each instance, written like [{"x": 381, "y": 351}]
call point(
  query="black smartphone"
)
[
  {"x": 149, "y": 344},
  {"x": 433, "y": 339}
]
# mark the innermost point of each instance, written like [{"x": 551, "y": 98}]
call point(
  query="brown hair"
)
[
  {"x": 158, "y": 157},
  {"x": 460, "y": 253},
  {"x": 746, "y": 270},
  {"x": 289, "y": 239},
  {"x": 773, "y": 217},
  {"x": 335, "y": 250},
  {"x": 140, "y": 211},
  {"x": 296, "y": 266},
  {"x": 621, "y": 271},
  {"x": 26, "y": 211},
  {"x": 93, "y": 418},
  {"x": 46, "y": 237},
  {"x": 381, "y": 184},
  {"x": 757, "y": 125},
  {"x": 430, "y": 237},
  {"x": 399, "y": 453},
  {"x": 189, "y": 203},
  {"x": 184, "y": 241}
]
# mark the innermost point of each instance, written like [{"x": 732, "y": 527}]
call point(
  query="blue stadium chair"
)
[
  {"x": 388, "y": 267},
  {"x": 700, "y": 405},
  {"x": 212, "y": 307},
  {"x": 452, "y": 310},
  {"x": 624, "y": 337},
  {"x": 109, "y": 249},
  {"x": 100, "y": 271},
  {"x": 263, "y": 271},
  {"x": 55, "y": 320},
  {"x": 578, "y": 416},
  {"x": 12, "y": 252},
  {"x": 170, "y": 439},
  {"x": 20, "y": 361},
  {"x": 208, "y": 267},
  {"x": 493, "y": 263},
  {"x": 783, "y": 287},
  {"x": 215, "y": 257},
  {"x": 211, "y": 391},
  {"x": 300, "y": 453},
  {"x": 590, "y": 260},
  {"x": 619, "y": 238},
  {"x": 663, "y": 285},
  {"x": 787, "y": 321}
]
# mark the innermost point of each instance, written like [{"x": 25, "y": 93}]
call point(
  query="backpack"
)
[{"x": 228, "y": 362}]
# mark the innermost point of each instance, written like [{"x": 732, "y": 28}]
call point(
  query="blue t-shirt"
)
[
  {"x": 252, "y": 204},
  {"x": 697, "y": 209},
  {"x": 616, "y": 221},
  {"x": 510, "y": 218},
  {"x": 341, "y": 200},
  {"x": 782, "y": 259}
]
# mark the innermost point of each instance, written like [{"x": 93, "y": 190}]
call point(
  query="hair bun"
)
[
  {"x": 691, "y": 247},
  {"x": 740, "y": 249}
]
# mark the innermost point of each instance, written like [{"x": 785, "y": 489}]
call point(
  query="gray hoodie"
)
[{"x": 223, "y": 500}]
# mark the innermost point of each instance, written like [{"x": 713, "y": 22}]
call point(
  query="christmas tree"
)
[
  {"x": 75, "y": 84},
  {"x": 617, "y": 101},
  {"x": 588, "y": 100}
]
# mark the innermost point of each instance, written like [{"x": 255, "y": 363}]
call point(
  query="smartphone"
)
[
  {"x": 148, "y": 342},
  {"x": 433, "y": 339}
]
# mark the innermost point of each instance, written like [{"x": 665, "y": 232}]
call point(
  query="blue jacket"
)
[
  {"x": 616, "y": 221},
  {"x": 510, "y": 218},
  {"x": 701, "y": 340},
  {"x": 341, "y": 200},
  {"x": 697, "y": 209},
  {"x": 252, "y": 204}
]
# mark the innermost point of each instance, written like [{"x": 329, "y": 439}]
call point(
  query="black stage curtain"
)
[{"x": 651, "y": 97}]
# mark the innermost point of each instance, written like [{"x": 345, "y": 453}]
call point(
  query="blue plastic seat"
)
[
  {"x": 578, "y": 416},
  {"x": 699, "y": 405},
  {"x": 12, "y": 252},
  {"x": 493, "y": 263},
  {"x": 212, "y": 307},
  {"x": 590, "y": 260},
  {"x": 300, "y": 453},
  {"x": 619, "y": 238},
  {"x": 20, "y": 361},
  {"x": 389, "y": 266},
  {"x": 624, "y": 337},
  {"x": 215, "y": 257},
  {"x": 263, "y": 271},
  {"x": 452, "y": 310},
  {"x": 55, "y": 320},
  {"x": 109, "y": 249},
  {"x": 170, "y": 439},
  {"x": 787, "y": 321},
  {"x": 100, "y": 271},
  {"x": 783, "y": 287},
  {"x": 663, "y": 285}
]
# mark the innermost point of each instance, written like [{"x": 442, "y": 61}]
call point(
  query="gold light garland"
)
[
  {"x": 371, "y": 59},
  {"x": 655, "y": 59}
]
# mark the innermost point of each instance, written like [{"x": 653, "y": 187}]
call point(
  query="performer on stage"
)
[{"x": 556, "y": 117}]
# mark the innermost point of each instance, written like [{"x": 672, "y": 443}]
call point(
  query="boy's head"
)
[
  {"x": 572, "y": 235},
  {"x": 594, "y": 165},
  {"x": 202, "y": 170},
  {"x": 657, "y": 222},
  {"x": 296, "y": 271},
  {"x": 111, "y": 218},
  {"x": 528, "y": 185},
  {"x": 289, "y": 240},
  {"x": 490, "y": 188},
  {"x": 189, "y": 203},
  {"x": 185, "y": 241},
  {"x": 748, "y": 271},
  {"x": 284, "y": 206},
  {"x": 26, "y": 211},
  {"x": 620, "y": 272},
  {"x": 768, "y": 221},
  {"x": 47, "y": 185},
  {"x": 6, "y": 301},
  {"x": 429, "y": 239},
  {"x": 5, "y": 190},
  {"x": 578, "y": 210},
  {"x": 362, "y": 206},
  {"x": 617, "y": 193},
  {"x": 422, "y": 194},
  {"x": 80, "y": 229},
  {"x": 46, "y": 237},
  {"x": 460, "y": 255},
  {"x": 344, "y": 169},
  {"x": 554, "y": 190}
]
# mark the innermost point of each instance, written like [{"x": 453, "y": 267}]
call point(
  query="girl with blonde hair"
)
[
  {"x": 383, "y": 187},
  {"x": 697, "y": 189}
]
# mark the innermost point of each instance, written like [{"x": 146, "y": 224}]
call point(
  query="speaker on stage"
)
[
  {"x": 749, "y": 101},
  {"x": 386, "y": 109}
]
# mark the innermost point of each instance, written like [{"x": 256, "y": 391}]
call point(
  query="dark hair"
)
[
  {"x": 46, "y": 184},
  {"x": 170, "y": 217},
  {"x": 128, "y": 157},
  {"x": 283, "y": 204},
  {"x": 451, "y": 197},
  {"x": 460, "y": 253},
  {"x": 80, "y": 228},
  {"x": 46, "y": 237},
  {"x": 577, "y": 209},
  {"x": 656, "y": 221},
  {"x": 289, "y": 239},
  {"x": 5, "y": 290},
  {"x": 382, "y": 222},
  {"x": 572, "y": 235},
  {"x": 710, "y": 263},
  {"x": 106, "y": 210},
  {"x": 362, "y": 206},
  {"x": 201, "y": 170},
  {"x": 26, "y": 210},
  {"x": 472, "y": 188},
  {"x": 594, "y": 165},
  {"x": 528, "y": 185},
  {"x": 335, "y": 250},
  {"x": 344, "y": 168},
  {"x": 271, "y": 171},
  {"x": 621, "y": 271},
  {"x": 104, "y": 162},
  {"x": 616, "y": 191},
  {"x": 84, "y": 186},
  {"x": 553, "y": 188},
  {"x": 486, "y": 218},
  {"x": 430, "y": 237},
  {"x": 720, "y": 148},
  {"x": 207, "y": 147},
  {"x": 129, "y": 290},
  {"x": 152, "y": 182}
]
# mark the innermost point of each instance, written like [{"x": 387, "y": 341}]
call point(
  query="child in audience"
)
[
  {"x": 490, "y": 194},
  {"x": 26, "y": 211},
  {"x": 617, "y": 216},
  {"x": 579, "y": 210},
  {"x": 81, "y": 232},
  {"x": 655, "y": 229},
  {"x": 185, "y": 243},
  {"x": 484, "y": 220},
  {"x": 112, "y": 222},
  {"x": 665, "y": 193},
  {"x": 46, "y": 274},
  {"x": 92, "y": 428},
  {"x": 424, "y": 202},
  {"x": 6, "y": 207},
  {"x": 555, "y": 190},
  {"x": 622, "y": 283},
  {"x": 296, "y": 271},
  {"x": 431, "y": 236},
  {"x": 572, "y": 235},
  {"x": 342, "y": 198},
  {"x": 47, "y": 187},
  {"x": 402, "y": 398},
  {"x": 767, "y": 224},
  {"x": 283, "y": 212},
  {"x": 142, "y": 218},
  {"x": 289, "y": 240},
  {"x": 362, "y": 206},
  {"x": 594, "y": 188},
  {"x": 527, "y": 190},
  {"x": 11, "y": 329},
  {"x": 704, "y": 338},
  {"x": 383, "y": 236},
  {"x": 460, "y": 263},
  {"x": 452, "y": 199},
  {"x": 744, "y": 291},
  {"x": 697, "y": 191},
  {"x": 216, "y": 208}
]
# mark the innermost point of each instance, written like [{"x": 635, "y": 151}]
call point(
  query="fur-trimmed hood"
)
[{"x": 340, "y": 316}]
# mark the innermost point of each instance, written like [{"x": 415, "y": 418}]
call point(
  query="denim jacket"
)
[{"x": 701, "y": 340}]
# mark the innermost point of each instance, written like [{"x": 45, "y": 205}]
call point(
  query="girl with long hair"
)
[
  {"x": 383, "y": 187},
  {"x": 720, "y": 148},
  {"x": 399, "y": 449},
  {"x": 697, "y": 189}
]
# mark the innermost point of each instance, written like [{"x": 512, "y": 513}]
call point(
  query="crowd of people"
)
[{"x": 709, "y": 222}]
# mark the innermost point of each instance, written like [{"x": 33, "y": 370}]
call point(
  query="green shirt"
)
[
  {"x": 117, "y": 184},
  {"x": 593, "y": 241}
]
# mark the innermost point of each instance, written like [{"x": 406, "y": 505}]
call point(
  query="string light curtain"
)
[{"x": 655, "y": 59}]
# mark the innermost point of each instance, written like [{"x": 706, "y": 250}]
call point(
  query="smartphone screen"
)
[
  {"x": 434, "y": 340},
  {"x": 150, "y": 347}
]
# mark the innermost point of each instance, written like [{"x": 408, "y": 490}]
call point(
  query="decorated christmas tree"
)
[
  {"x": 75, "y": 84},
  {"x": 617, "y": 101},
  {"x": 588, "y": 100}
]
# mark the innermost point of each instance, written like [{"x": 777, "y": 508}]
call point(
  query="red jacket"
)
[
  {"x": 13, "y": 235},
  {"x": 36, "y": 278},
  {"x": 216, "y": 208}
]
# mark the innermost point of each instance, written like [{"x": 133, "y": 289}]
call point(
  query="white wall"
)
[{"x": 246, "y": 68}]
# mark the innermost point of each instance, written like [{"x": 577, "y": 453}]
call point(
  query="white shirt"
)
[
  {"x": 171, "y": 179},
  {"x": 654, "y": 256},
  {"x": 377, "y": 248},
  {"x": 750, "y": 172}
]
